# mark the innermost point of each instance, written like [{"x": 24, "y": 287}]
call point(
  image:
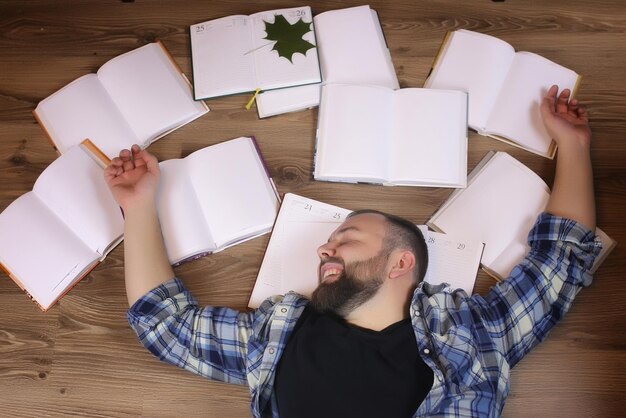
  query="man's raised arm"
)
[
  {"x": 572, "y": 193},
  {"x": 133, "y": 178}
]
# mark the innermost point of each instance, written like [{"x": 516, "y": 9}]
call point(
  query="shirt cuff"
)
[
  {"x": 550, "y": 230},
  {"x": 159, "y": 303}
]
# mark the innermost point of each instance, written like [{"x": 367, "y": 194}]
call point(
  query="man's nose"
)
[{"x": 326, "y": 250}]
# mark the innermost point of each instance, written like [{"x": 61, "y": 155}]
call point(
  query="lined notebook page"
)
[
  {"x": 291, "y": 262},
  {"x": 452, "y": 259}
]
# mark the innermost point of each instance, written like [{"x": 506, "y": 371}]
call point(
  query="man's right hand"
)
[
  {"x": 566, "y": 120},
  {"x": 133, "y": 178}
]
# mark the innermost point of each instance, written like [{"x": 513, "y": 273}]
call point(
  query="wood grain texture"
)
[{"x": 81, "y": 358}]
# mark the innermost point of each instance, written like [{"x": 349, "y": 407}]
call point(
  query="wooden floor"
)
[{"x": 81, "y": 358}]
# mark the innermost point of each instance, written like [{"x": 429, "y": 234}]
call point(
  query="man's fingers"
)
[
  {"x": 551, "y": 94},
  {"x": 128, "y": 165},
  {"x": 561, "y": 103},
  {"x": 139, "y": 161},
  {"x": 116, "y": 162},
  {"x": 127, "y": 160},
  {"x": 152, "y": 163},
  {"x": 582, "y": 113},
  {"x": 124, "y": 155},
  {"x": 148, "y": 159}
]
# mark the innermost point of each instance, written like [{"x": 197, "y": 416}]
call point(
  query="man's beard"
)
[{"x": 359, "y": 282}]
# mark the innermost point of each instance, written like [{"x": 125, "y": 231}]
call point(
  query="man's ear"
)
[{"x": 403, "y": 263}]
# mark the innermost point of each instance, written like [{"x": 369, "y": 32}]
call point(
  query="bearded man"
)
[{"x": 374, "y": 340}]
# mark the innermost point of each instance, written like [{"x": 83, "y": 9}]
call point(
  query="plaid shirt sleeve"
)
[
  {"x": 471, "y": 343},
  {"x": 520, "y": 311},
  {"x": 208, "y": 341}
]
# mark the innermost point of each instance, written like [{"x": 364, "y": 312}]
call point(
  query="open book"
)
[
  {"x": 134, "y": 98},
  {"x": 414, "y": 137},
  {"x": 352, "y": 50},
  {"x": 214, "y": 198},
  {"x": 54, "y": 235},
  {"x": 291, "y": 262},
  {"x": 266, "y": 50},
  {"x": 499, "y": 207},
  {"x": 505, "y": 88}
]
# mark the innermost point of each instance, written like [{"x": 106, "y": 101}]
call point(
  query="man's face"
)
[{"x": 353, "y": 265}]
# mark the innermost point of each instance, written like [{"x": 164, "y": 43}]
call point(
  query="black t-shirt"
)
[{"x": 334, "y": 369}]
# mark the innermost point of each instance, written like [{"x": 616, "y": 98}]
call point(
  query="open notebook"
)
[
  {"x": 134, "y": 98},
  {"x": 52, "y": 236},
  {"x": 267, "y": 50},
  {"x": 505, "y": 88},
  {"x": 373, "y": 134},
  {"x": 499, "y": 207},
  {"x": 214, "y": 198}
]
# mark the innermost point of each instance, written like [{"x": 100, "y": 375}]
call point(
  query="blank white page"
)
[
  {"x": 184, "y": 227},
  {"x": 273, "y": 71},
  {"x": 222, "y": 58},
  {"x": 73, "y": 187},
  {"x": 429, "y": 137},
  {"x": 40, "y": 250},
  {"x": 83, "y": 109},
  {"x": 498, "y": 207},
  {"x": 352, "y": 48},
  {"x": 477, "y": 64},
  {"x": 275, "y": 102},
  {"x": 352, "y": 132},
  {"x": 517, "y": 115},
  {"x": 233, "y": 189},
  {"x": 150, "y": 91}
]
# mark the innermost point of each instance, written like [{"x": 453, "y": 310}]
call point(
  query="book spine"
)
[
  {"x": 180, "y": 71},
  {"x": 443, "y": 46},
  {"x": 193, "y": 86},
  {"x": 385, "y": 46},
  {"x": 550, "y": 153},
  {"x": 45, "y": 130},
  {"x": 191, "y": 258},
  {"x": 265, "y": 167},
  {"x": 576, "y": 86},
  {"x": 96, "y": 153},
  {"x": 169, "y": 55}
]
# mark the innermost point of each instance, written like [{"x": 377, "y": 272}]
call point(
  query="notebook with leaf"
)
[
  {"x": 352, "y": 50},
  {"x": 267, "y": 50}
]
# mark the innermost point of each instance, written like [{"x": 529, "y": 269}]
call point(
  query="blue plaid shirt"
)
[{"x": 471, "y": 343}]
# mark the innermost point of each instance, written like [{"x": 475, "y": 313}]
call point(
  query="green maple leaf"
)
[{"x": 288, "y": 37}]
